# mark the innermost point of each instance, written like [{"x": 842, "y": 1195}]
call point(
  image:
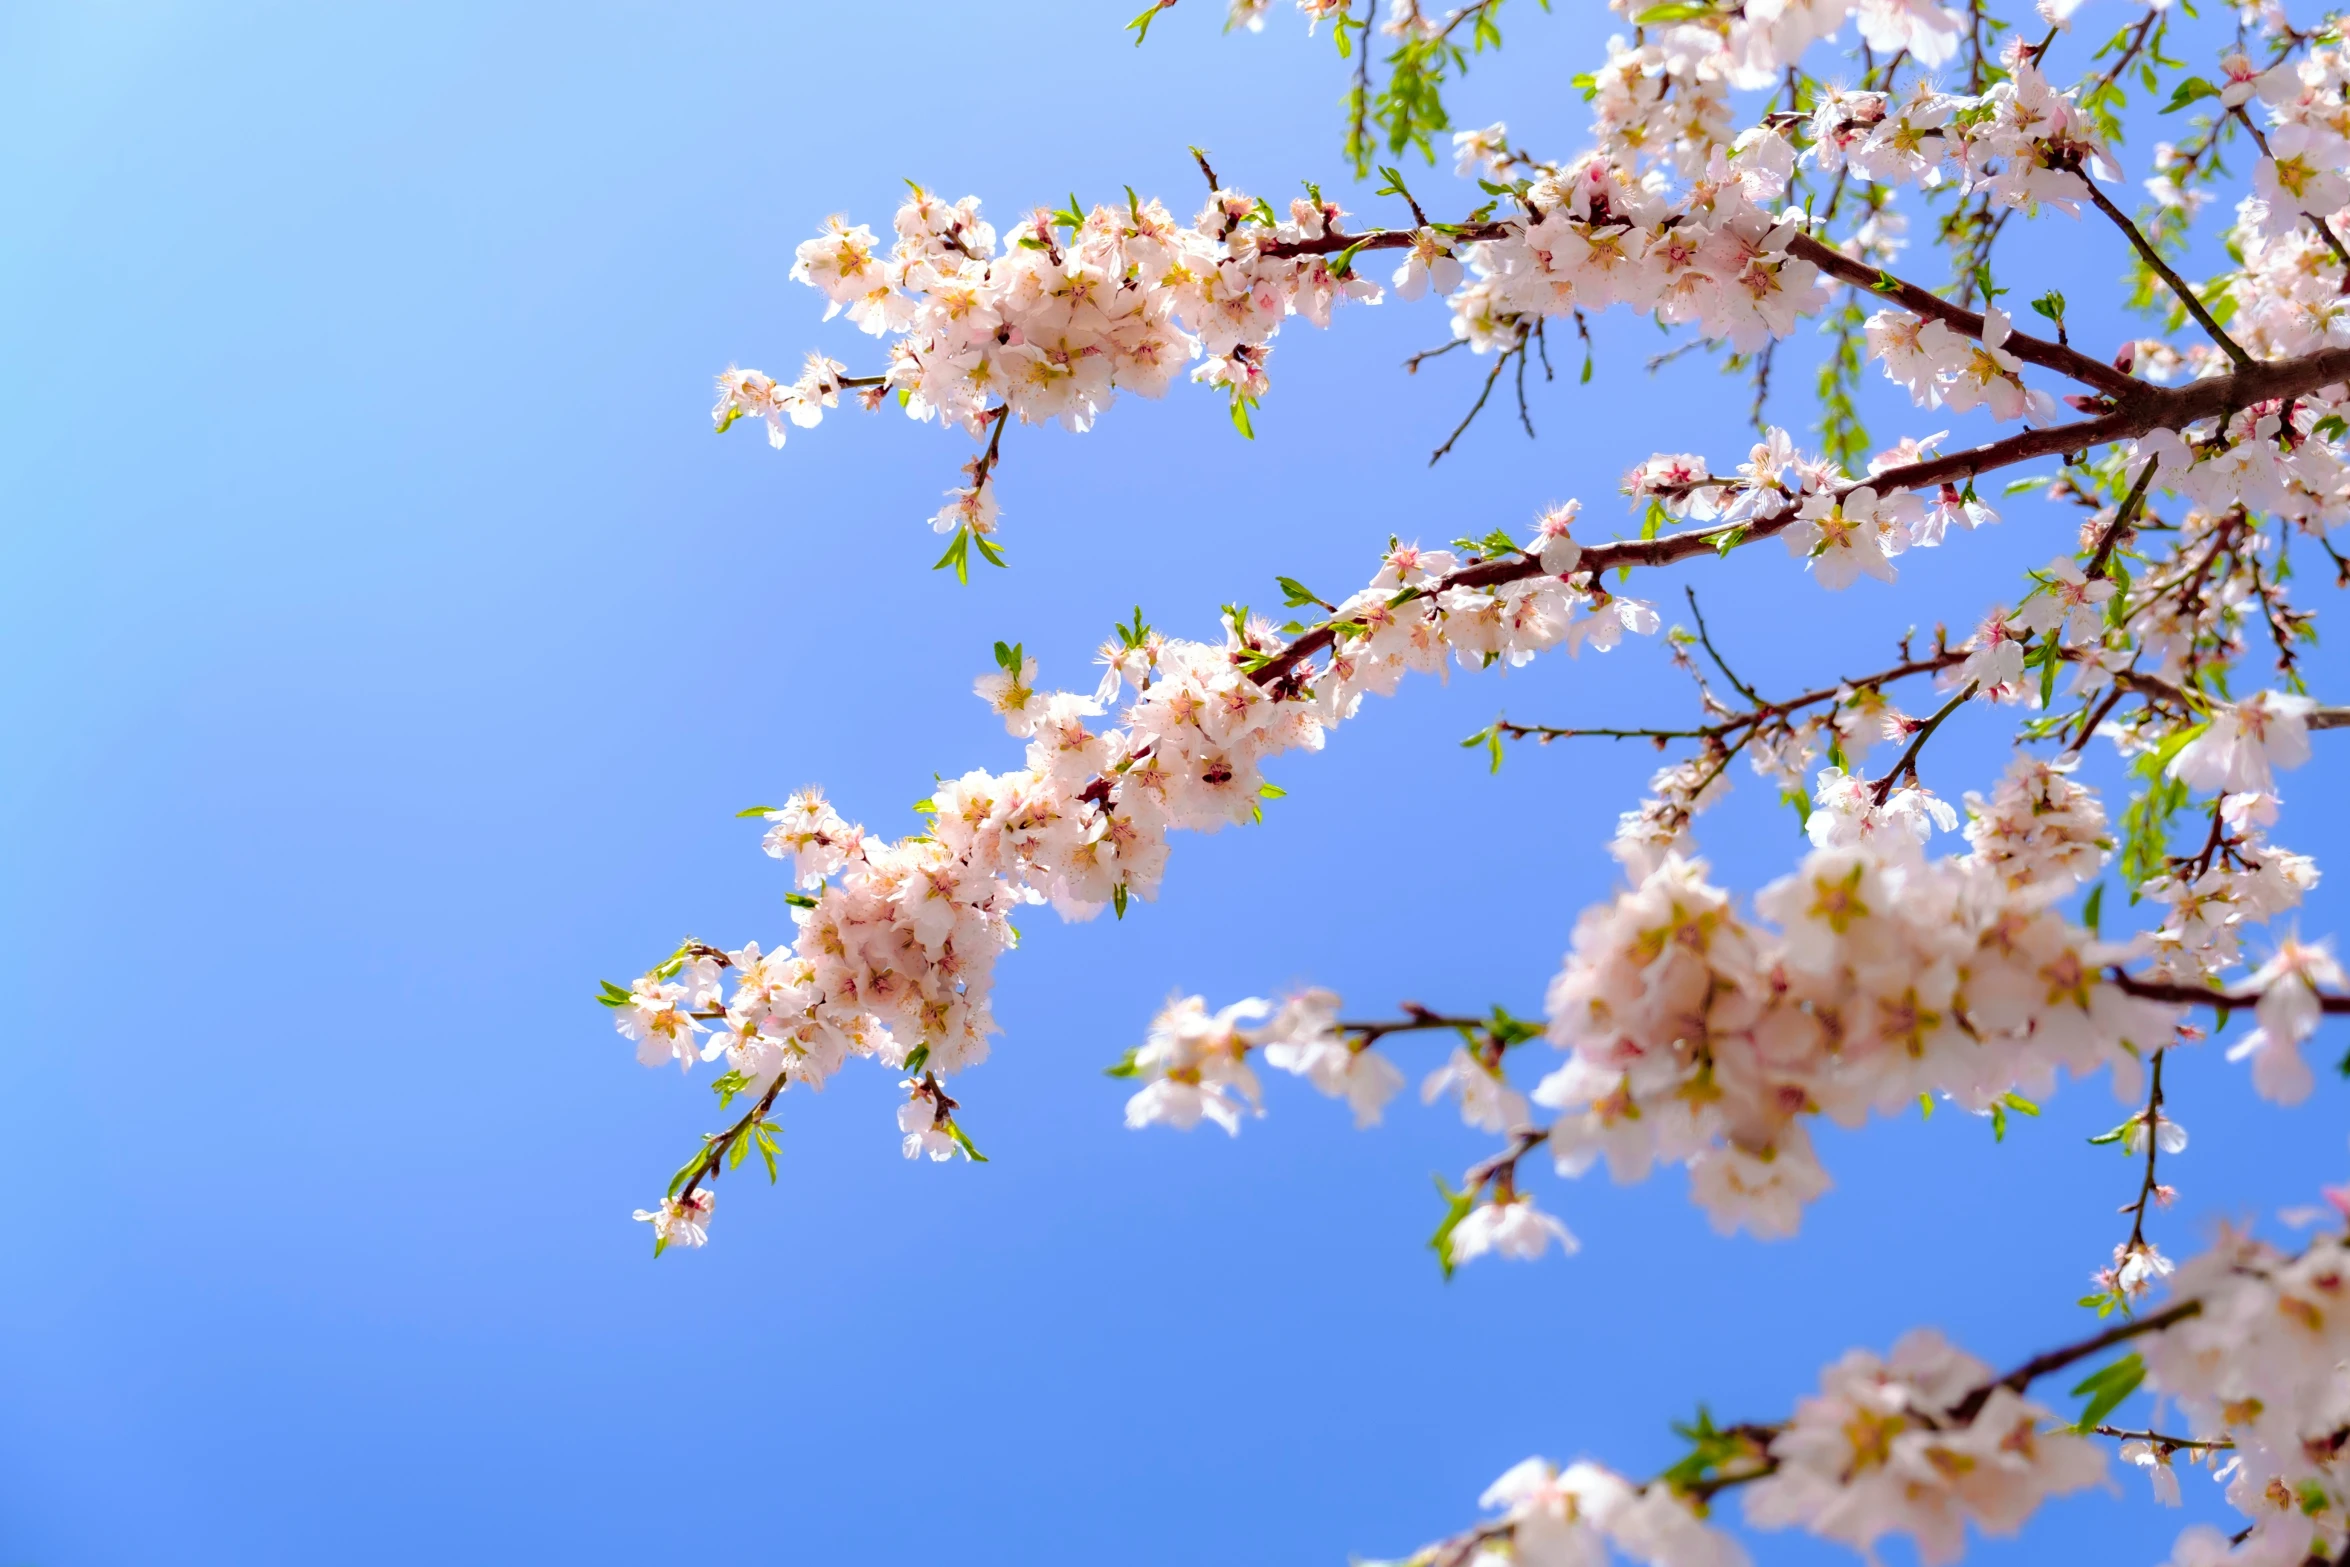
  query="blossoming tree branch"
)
[{"x": 1755, "y": 171}]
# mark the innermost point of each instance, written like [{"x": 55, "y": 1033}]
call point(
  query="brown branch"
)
[
  {"x": 2033, "y": 350},
  {"x": 2123, "y": 516},
  {"x": 1478, "y": 407},
  {"x": 1918, "y": 301},
  {"x": 2041, "y": 1365},
  {"x": 1763, "y": 712},
  {"x": 707, "y": 1165},
  {"x": 1706, "y": 641},
  {"x": 2167, "y": 1443},
  {"x": 1907, "y": 762},
  {"x": 2205, "y": 996},
  {"x": 2148, "y": 408},
  {"x": 2161, "y": 690},
  {"x": 2162, "y": 269},
  {"x": 2146, "y": 1188},
  {"x": 1415, "y": 1019}
]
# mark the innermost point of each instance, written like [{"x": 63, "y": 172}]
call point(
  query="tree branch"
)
[
  {"x": 2040, "y": 1365},
  {"x": 2162, "y": 269},
  {"x": 2148, "y": 408},
  {"x": 2205, "y": 996},
  {"x": 1918, "y": 301}
]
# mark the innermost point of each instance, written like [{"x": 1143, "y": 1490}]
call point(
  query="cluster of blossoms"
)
[
  {"x": 2209, "y": 901},
  {"x": 1692, "y": 1031},
  {"x": 2259, "y": 1372},
  {"x": 1879, "y": 1451},
  {"x": 1927, "y": 1440},
  {"x": 897, "y": 940},
  {"x": 1673, "y": 215},
  {"x": 1668, "y": 213},
  {"x": 1070, "y": 310},
  {"x": 1197, "y": 1062},
  {"x": 1843, "y": 530},
  {"x": 1552, "y": 1517},
  {"x": 1920, "y": 1442},
  {"x": 1698, "y": 1037}
]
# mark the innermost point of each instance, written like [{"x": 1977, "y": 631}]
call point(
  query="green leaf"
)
[
  {"x": 1801, "y": 800},
  {"x": 1673, "y": 11},
  {"x": 2189, "y": 90},
  {"x": 1118, "y": 899},
  {"x": 1457, "y": 1206},
  {"x": 1126, "y": 1066},
  {"x": 727, "y": 423},
  {"x": 769, "y": 1146},
  {"x": 1140, "y": 27},
  {"x": 1726, "y": 542},
  {"x": 963, "y": 1139},
  {"x": 736, "y": 1150},
  {"x": 990, "y": 551},
  {"x": 2114, "y": 1136},
  {"x": 2106, "y": 1387},
  {"x": 958, "y": 555},
  {"x": 1298, "y": 594},
  {"x": 916, "y": 1059},
  {"x": 1240, "y": 419},
  {"x": 799, "y": 900},
  {"x": 1509, "y": 1030},
  {"x": 2093, "y": 910},
  {"x": 754, "y": 810},
  {"x": 2019, "y": 1104},
  {"x": 2050, "y": 305}
]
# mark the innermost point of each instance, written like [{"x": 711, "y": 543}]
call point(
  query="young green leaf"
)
[
  {"x": 2106, "y": 1387},
  {"x": 1457, "y": 1206}
]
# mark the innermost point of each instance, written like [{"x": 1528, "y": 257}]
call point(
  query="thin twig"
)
[
  {"x": 2122, "y": 518},
  {"x": 2162, "y": 269},
  {"x": 1908, "y": 760},
  {"x": 1706, "y": 641},
  {"x": 1475, "y": 409}
]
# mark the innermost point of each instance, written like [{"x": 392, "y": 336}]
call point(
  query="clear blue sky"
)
[{"x": 389, "y": 644}]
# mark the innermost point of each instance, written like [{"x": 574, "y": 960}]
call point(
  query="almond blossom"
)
[{"x": 1763, "y": 182}]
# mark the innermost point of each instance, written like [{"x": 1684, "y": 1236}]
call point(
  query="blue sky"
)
[{"x": 389, "y": 645}]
